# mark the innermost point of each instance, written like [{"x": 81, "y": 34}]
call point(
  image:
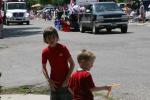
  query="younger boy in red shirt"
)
[
  {"x": 61, "y": 64},
  {"x": 81, "y": 82}
]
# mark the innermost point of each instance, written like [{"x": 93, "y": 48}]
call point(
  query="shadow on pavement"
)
[
  {"x": 113, "y": 32},
  {"x": 22, "y": 31},
  {"x": 108, "y": 33}
]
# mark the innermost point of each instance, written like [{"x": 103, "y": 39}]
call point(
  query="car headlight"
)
[
  {"x": 100, "y": 18},
  {"x": 9, "y": 15},
  {"x": 26, "y": 14}
]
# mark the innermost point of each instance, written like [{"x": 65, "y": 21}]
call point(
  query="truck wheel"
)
[
  {"x": 20, "y": 23},
  {"x": 7, "y": 23},
  {"x": 108, "y": 29},
  {"x": 124, "y": 29},
  {"x": 94, "y": 29},
  {"x": 28, "y": 22},
  {"x": 82, "y": 29}
]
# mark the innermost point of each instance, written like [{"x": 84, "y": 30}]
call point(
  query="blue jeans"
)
[{"x": 61, "y": 94}]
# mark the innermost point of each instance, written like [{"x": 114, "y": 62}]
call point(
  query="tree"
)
[
  {"x": 119, "y": 1},
  {"x": 54, "y": 2},
  {"x": 31, "y": 2},
  {"x": 45, "y": 1}
]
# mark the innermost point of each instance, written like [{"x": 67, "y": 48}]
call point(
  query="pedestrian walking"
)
[
  {"x": 142, "y": 12},
  {"x": 61, "y": 64},
  {"x": 81, "y": 82}
]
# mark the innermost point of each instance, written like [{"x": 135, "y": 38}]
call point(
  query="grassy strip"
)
[
  {"x": 26, "y": 89},
  {"x": 102, "y": 95}
]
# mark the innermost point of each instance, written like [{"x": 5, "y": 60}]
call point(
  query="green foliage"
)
[
  {"x": 45, "y": 1},
  {"x": 31, "y": 2},
  {"x": 59, "y": 2},
  {"x": 120, "y": 1},
  {"x": 25, "y": 90}
]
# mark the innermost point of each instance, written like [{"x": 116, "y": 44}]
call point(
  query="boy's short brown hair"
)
[
  {"x": 85, "y": 55},
  {"x": 48, "y": 32}
]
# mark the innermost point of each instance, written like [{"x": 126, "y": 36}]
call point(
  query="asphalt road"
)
[{"x": 120, "y": 58}]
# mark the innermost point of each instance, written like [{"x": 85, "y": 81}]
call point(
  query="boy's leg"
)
[
  {"x": 61, "y": 94},
  {"x": 65, "y": 94},
  {"x": 54, "y": 96}
]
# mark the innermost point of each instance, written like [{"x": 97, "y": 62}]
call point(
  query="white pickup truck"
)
[{"x": 16, "y": 12}]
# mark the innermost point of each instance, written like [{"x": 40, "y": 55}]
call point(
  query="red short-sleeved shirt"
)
[
  {"x": 58, "y": 59},
  {"x": 80, "y": 83}
]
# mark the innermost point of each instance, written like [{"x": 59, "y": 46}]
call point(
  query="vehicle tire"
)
[
  {"x": 82, "y": 29},
  {"x": 94, "y": 29},
  {"x": 20, "y": 23},
  {"x": 124, "y": 29},
  {"x": 28, "y": 22},
  {"x": 7, "y": 23},
  {"x": 108, "y": 29}
]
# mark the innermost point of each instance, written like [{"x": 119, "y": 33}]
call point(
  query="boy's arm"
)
[
  {"x": 71, "y": 65},
  {"x": 45, "y": 72}
]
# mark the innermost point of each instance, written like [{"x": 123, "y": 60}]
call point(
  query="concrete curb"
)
[
  {"x": 29, "y": 97},
  {"x": 24, "y": 97}
]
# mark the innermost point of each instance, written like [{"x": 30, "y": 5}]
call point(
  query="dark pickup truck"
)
[{"x": 102, "y": 15}]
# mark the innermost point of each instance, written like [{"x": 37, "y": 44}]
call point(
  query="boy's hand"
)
[
  {"x": 65, "y": 83},
  {"x": 109, "y": 88},
  {"x": 52, "y": 85}
]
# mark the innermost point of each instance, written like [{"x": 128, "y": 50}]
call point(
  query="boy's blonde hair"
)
[
  {"x": 85, "y": 55},
  {"x": 48, "y": 32}
]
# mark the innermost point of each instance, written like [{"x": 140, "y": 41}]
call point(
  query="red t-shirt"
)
[
  {"x": 58, "y": 60},
  {"x": 80, "y": 83}
]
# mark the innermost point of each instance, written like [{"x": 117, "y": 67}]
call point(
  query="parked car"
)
[
  {"x": 103, "y": 15},
  {"x": 46, "y": 8},
  {"x": 147, "y": 17}
]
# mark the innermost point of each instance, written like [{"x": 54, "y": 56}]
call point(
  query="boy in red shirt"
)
[
  {"x": 81, "y": 82},
  {"x": 61, "y": 64}
]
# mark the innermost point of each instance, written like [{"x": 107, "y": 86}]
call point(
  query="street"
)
[{"x": 120, "y": 58}]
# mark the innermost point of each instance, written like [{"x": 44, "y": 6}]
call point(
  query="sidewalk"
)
[
  {"x": 24, "y": 97},
  {"x": 29, "y": 97}
]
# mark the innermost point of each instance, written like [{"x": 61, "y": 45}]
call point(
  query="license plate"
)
[{"x": 18, "y": 19}]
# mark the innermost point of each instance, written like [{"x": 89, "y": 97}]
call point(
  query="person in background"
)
[{"x": 142, "y": 12}]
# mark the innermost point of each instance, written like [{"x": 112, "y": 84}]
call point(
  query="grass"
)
[
  {"x": 102, "y": 95},
  {"x": 29, "y": 89},
  {"x": 25, "y": 90}
]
